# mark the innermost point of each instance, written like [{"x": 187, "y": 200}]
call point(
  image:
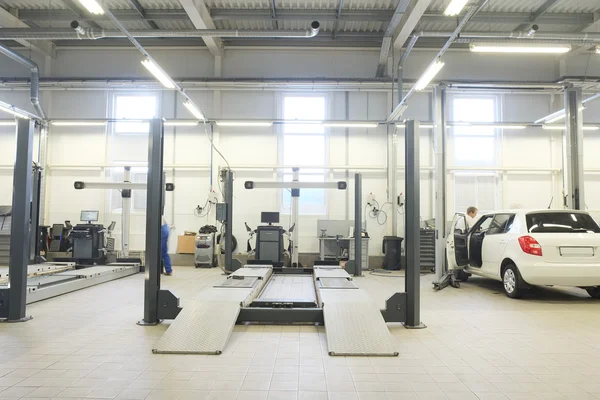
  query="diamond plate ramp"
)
[
  {"x": 200, "y": 328},
  {"x": 354, "y": 325}
]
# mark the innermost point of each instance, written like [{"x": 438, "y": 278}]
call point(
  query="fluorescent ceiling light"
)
[
  {"x": 455, "y": 7},
  {"x": 78, "y": 123},
  {"x": 181, "y": 123},
  {"x": 538, "y": 48},
  {"x": 501, "y": 126},
  {"x": 422, "y": 126},
  {"x": 350, "y": 124},
  {"x": 192, "y": 108},
  {"x": 7, "y": 123},
  {"x": 92, "y": 6},
  {"x": 597, "y": 49},
  {"x": 562, "y": 128},
  {"x": 557, "y": 118},
  {"x": 159, "y": 73},
  {"x": 428, "y": 75},
  {"x": 248, "y": 124},
  {"x": 11, "y": 110}
]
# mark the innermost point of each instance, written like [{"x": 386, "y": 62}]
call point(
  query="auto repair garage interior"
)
[{"x": 324, "y": 199}]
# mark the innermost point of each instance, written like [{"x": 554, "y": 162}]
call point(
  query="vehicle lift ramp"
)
[
  {"x": 205, "y": 327},
  {"x": 353, "y": 324}
]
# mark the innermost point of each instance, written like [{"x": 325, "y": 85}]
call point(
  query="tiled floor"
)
[{"x": 478, "y": 345}]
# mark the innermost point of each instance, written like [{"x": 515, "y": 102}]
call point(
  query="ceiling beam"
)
[
  {"x": 338, "y": 15},
  {"x": 409, "y": 21},
  {"x": 7, "y": 20},
  {"x": 142, "y": 13},
  {"x": 578, "y": 19},
  {"x": 537, "y": 14},
  {"x": 387, "y": 36},
  {"x": 200, "y": 17},
  {"x": 67, "y": 15}
]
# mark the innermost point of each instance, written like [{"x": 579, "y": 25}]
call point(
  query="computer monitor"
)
[
  {"x": 269, "y": 217},
  {"x": 89, "y": 216}
]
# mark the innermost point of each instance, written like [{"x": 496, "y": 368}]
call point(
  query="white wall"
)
[{"x": 83, "y": 153}]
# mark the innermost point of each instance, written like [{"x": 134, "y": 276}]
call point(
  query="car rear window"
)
[{"x": 561, "y": 222}]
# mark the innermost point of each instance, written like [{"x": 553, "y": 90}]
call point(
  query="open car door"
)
[{"x": 457, "y": 252}]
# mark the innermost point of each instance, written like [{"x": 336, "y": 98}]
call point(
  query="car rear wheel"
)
[
  {"x": 512, "y": 282},
  {"x": 594, "y": 292}
]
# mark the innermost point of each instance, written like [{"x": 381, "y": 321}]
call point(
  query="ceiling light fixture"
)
[
  {"x": 11, "y": 110},
  {"x": 598, "y": 49},
  {"x": 92, "y": 6},
  {"x": 78, "y": 123},
  {"x": 350, "y": 124},
  {"x": 247, "y": 124},
  {"x": 181, "y": 123},
  {"x": 538, "y": 48},
  {"x": 7, "y": 123},
  {"x": 563, "y": 127},
  {"x": 428, "y": 75},
  {"x": 192, "y": 108},
  {"x": 455, "y": 7},
  {"x": 500, "y": 126},
  {"x": 159, "y": 73}
]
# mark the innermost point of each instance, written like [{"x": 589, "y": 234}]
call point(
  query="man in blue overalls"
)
[{"x": 164, "y": 240}]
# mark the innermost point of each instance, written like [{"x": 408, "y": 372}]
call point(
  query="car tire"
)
[
  {"x": 594, "y": 292},
  {"x": 462, "y": 275},
  {"x": 512, "y": 282}
]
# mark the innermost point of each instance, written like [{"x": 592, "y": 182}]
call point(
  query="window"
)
[
  {"x": 561, "y": 222},
  {"x": 130, "y": 139},
  {"x": 130, "y": 144},
  {"x": 500, "y": 224},
  {"x": 484, "y": 224},
  {"x": 138, "y": 197},
  {"x": 304, "y": 144},
  {"x": 479, "y": 190},
  {"x": 474, "y": 146}
]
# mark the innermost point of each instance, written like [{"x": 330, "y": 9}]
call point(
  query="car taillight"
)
[{"x": 530, "y": 246}]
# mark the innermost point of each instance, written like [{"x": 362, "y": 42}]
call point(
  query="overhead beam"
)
[
  {"x": 338, "y": 15},
  {"x": 387, "y": 36},
  {"x": 34, "y": 15},
  {"x": 7, "y": 20},
  {"x": 140, "y": 10},
  {"x": 537, "y": 14},
  {"x": 409, "y": 21},
  {"x": 200, "y": 17}
]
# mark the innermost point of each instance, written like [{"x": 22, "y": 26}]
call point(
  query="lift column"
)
[
  {"x": 574, "y": 148},
  {"x": 13, "y": 299}
]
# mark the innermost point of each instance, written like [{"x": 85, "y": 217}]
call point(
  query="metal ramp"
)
[
  {"x": 204, "y": 326},
  {"x": 353, "y": 323}
]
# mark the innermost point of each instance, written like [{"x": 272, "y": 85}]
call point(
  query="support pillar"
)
[
  {"x": 295, "y": 212},
  {"x": 393, "y": 179},
  {"x": 13, "y": 299},
  {"x": 439, "y": 122},
  {"x": 126, "y": 214},
  {"x": 153, "y": 222},
  {"x": 358, "y": 224},
  {"x": 574, "y": 148},
  {"x": 229, "y": 222},
  {"x": 412, "y": 224}
]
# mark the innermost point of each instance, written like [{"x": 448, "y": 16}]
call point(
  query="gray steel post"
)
[
  {"x": 229, "y": 222},
  {"x": 413, "y": 203},
  {"x": 358, "y": 224},
  {"x": 126, "y": 214},
  {"x": 19, "y": 234},
  {"x": 153, "y": 222},
  {"x": 574, "y": 142},
  {"x": 440, "y": 181},
  {"x": 295, "y": 211},
  {"x": 393, "y": 190}
]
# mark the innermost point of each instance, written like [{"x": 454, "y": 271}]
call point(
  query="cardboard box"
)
[{"x": 186, "y": 244}]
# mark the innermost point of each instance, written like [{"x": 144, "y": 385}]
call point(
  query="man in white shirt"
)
[{"x": 471, "y": 217}]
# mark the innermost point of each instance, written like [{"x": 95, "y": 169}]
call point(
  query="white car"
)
[{"x": 524, "y": 248}]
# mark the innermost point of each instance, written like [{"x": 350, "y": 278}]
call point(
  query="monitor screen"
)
[
  {"x": 89, "y": 216},
  {"x": 269, "y": 217}
]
